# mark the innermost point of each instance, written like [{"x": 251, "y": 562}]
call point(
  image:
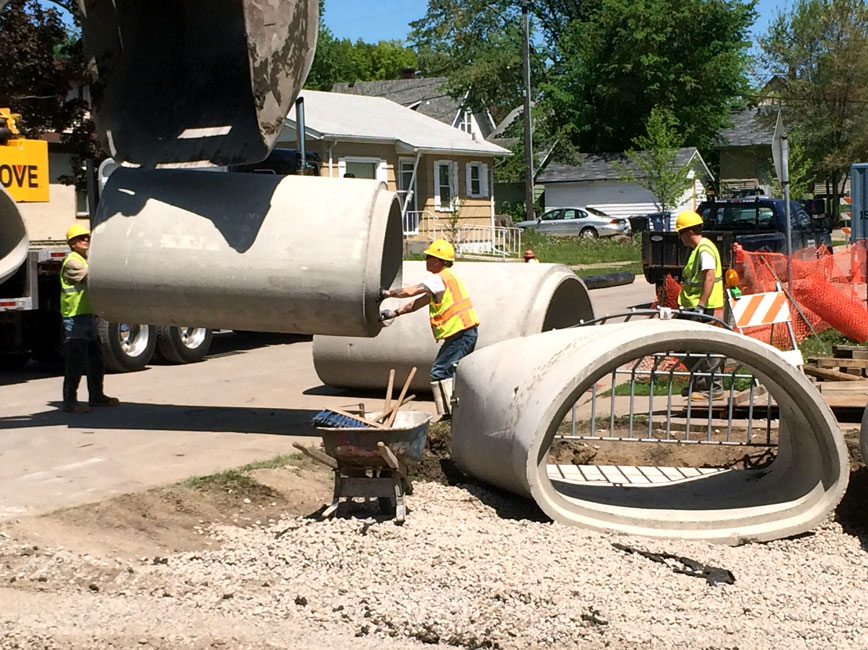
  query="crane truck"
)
[
  {"x": 177, "y": 87},
  {"x": 30, "y": 324}
]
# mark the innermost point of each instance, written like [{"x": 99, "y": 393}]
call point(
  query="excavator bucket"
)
[{"x": 197, "y": 82}]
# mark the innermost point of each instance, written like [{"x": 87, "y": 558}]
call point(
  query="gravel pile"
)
[{"x": 466, "y": 570}]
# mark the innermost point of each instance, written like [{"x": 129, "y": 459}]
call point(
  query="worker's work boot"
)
[
  {"x": 442, "y": 391},
  {"x": 70, "y": 397},
  {"x": 103, "y": 400}
]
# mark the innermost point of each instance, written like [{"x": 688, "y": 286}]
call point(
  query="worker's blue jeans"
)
[
  {"x": 454, "y": 348},
  {"x": 83, "y": 356}
]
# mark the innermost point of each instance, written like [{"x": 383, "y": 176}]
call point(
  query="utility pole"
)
[{"x": 528, "y": 127}]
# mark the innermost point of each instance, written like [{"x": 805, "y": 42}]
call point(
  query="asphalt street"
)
[{"x": 249, "y": 400}]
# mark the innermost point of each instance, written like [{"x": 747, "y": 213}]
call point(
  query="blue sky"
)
[{"x": 390, "y": 19}]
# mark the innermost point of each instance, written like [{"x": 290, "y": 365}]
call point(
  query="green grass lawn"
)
[
  {"x": 575, "y": 250},
  {"x": 821, "y": 345}
]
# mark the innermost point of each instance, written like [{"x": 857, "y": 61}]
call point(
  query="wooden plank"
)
[
  {"x": 850, "y": 351},
  {"x": 840, "y": 387},
  {"x": 743, "y": 397},
  {"x": 833, "y": 362},
  {"x": 829, "y": 374},
  {"x": 846, "y": 401}
]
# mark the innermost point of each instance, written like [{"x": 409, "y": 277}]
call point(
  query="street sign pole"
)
[{"x": 781, "y": 157}]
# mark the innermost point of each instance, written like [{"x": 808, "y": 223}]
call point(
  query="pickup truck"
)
[{"x": 757, "y": 223}]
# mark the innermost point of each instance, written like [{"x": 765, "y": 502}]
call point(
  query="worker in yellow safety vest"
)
[
  {"x": 451, "y": 314},
  {"x": 703, "y": 274},
  {"x": 83, "y": 352},
  {"x": 701, "y": 291}
]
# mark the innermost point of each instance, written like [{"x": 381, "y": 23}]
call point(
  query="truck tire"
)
[
  {"x": 126, "y": 347},
  {"x": 178, "y": 345}
]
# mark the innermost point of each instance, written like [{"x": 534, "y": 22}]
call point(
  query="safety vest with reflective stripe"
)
[
  {"x": 454, "y": 313},
  {"x": 694, "y": 278},
  {"x": 74, "y": 298}
]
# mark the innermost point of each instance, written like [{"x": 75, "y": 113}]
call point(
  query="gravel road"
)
[{"x": 471, "y": 568}]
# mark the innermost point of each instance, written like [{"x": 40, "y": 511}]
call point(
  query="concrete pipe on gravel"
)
[
  {"x": 510, "y": 299},
  {"x": 244, "y": 251},
  {"x": 512, "y": 396},
  {"x": 13, "y": 237}
]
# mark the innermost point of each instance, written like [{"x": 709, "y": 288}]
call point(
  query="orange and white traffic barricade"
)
[{"x": 765, "y": 310}]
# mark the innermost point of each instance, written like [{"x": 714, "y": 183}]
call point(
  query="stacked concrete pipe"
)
[
  {"x": 511, "y": 300},
  {"x": 13, "y": 237},
  {"x": 512, "y": 396},
  {"x": 244, "y": 251}
]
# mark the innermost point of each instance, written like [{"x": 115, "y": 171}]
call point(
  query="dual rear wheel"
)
[{"x": 128, "y": 347}]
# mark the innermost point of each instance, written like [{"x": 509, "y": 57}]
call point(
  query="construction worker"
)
[
  {"x": 702, "y": 289},
  {"x": 83, "y": 352},
  {"x": 529, "y": 257},
  {"x": 453, "y": 319}
]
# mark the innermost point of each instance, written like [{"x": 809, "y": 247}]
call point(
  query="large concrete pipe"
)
[
  {"x": 244, "y": 251},
  {"x": 195, "y": 81},
  {"x": 510, "y": 299},
  {"x": 13, "y": 237},
  {"x": 512, "y": 396}
]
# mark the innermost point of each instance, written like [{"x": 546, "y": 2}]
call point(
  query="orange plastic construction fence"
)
[{"x": 828, "y": 288}]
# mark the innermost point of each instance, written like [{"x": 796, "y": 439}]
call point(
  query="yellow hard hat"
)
[
  {"x": 441, "y": 249},
  {"x": 76, "y": 230},
  {"x": 687, "y": 219}
]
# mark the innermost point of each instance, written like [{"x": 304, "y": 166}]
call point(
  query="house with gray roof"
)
[
  {"x": 746, "y": 151},
  {"x": 435, "y": 169},
  {"x": 428, "y": 97},
  {"x": 596, "y": 182}
]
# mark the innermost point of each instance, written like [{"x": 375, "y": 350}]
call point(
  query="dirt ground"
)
[{"x": 175, "y": 518}]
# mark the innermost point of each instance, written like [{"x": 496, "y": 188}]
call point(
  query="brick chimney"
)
[{"x": 408, "y": 73}]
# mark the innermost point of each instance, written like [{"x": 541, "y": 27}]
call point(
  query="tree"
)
[
  {"x": 340, "y": 60},
  {"x": 477, "y": 45},
  {"x": 43, "y": 61},
  {"x": 38, "y": 59},
  {"x": 655, "y": 155},
  {"x": 820, "y": 51},
  {"x": 629, "y": 56}
]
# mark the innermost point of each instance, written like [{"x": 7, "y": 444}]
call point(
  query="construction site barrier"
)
[
  {"x": 258, "y": 252},
  {"x": 512, "y": 397},
  {"x": 826, "y": 290},
  {"x": 511, "y": 300}
]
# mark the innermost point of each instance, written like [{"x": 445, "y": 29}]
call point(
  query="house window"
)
[
  {"x": 465, "y": 121},
  {"x": 357, "y": 167},
  {"x": 445, "y": 185},
  {"x": 477, "y": 180}
]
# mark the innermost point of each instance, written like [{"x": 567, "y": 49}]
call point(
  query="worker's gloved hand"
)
[
  {"x": 388, "y": 314},
  {"x": 383, "y": 295}
]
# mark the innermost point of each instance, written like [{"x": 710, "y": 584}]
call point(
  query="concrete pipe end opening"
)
[
  {"x": 559, "y": 417},
  {"x": 14, "y": 241},
  {"x": 511, "y": 300}
]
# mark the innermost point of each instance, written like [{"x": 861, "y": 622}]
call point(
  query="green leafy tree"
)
[
  {"x": 42, "y": 61},
  {"x": 477, "y": 45},
  {"x": 654, "y": 156},
  {"x": 819, "y": 49},
  {"x": 628, "y": 56},
  {"x": 341, "y": 60},
  {"x": 801, "y": 172}
]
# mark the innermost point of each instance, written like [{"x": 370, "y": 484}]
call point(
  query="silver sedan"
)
[{"x": 582, "y": 222}]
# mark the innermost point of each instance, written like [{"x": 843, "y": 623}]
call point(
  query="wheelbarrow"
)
[{"x": 373, "y": 463}]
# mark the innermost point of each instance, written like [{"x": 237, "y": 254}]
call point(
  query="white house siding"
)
[
  {"x": 49, "y": 221},
  {"x": 614, "y": 197}
]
